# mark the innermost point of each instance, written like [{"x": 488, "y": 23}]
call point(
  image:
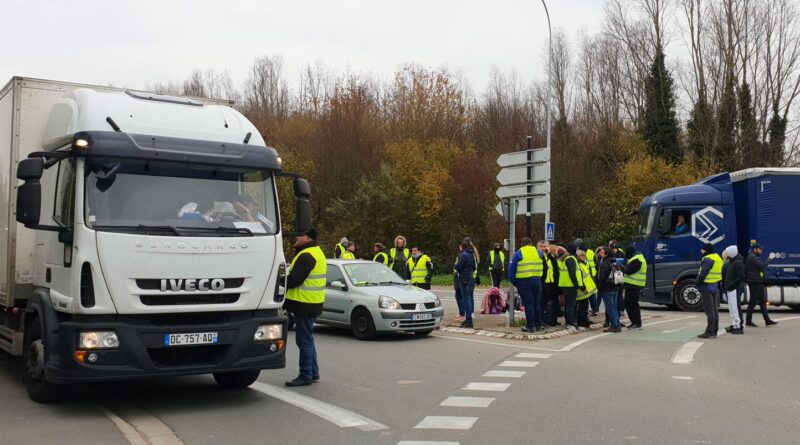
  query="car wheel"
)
[
  {"x": 687, "y": 296},
  {"x": 39, "y": 389},
  {"x": 362, "y": 324},
  {"x": 423, "y": 333},
  {"x": 236, "y": 380}
]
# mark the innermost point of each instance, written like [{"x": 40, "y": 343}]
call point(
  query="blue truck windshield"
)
[
  {"x": 179, "y": 199},
  {"x": 647, "y": 217}
]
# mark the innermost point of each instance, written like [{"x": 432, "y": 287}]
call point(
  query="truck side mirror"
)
[
  {"x": 666, "y": 222},
  {"x": 302, "y": 190},
  {"x": 29, "y": 194}
]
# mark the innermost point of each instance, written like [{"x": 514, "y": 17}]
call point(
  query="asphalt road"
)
[{"x": 654, "y": 386}]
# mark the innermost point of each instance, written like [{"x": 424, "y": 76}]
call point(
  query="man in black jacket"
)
[
  {"x": 733, "y": 286},
  {"x": 755, "y": 268}
]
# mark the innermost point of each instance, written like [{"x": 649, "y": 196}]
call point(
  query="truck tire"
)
[
  {"x": 39, "y": 389},
  {"x": 362, "y": 325},
  {"x": 687, "y": 296},
  {"x": 236, "y": 380}
]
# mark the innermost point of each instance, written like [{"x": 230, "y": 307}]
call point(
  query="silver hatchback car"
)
[{"x": 369, "y": 298}]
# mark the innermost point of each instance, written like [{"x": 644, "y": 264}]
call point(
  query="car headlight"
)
[
  {"x": 437, "y": 302},
  {"x": 389, "y": 303},
  {"x": 99, "y": 340},
  {"x": 268, "y": 332}
]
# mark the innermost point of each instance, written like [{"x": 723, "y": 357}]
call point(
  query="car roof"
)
[{"x": 341, "y": 262}]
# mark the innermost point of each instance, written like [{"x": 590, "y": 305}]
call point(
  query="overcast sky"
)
[{"x": 137, "y": 43}]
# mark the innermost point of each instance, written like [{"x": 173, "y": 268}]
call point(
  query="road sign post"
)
[
  {"x": 511, "y": 204},
  {"x": 550, "y": 231}
]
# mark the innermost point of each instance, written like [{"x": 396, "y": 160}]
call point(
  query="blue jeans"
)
[
  {"x": 530, "y": 294},
  {"x": 468, "y": 300},
  {"x": 304, "y": 337},
  {"x": 612, "y": 312},
  {"x": 459, "y": 300}
]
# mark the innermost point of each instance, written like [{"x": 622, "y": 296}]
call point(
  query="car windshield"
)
[
  {"x": 647, "y": 217},
  {"x": 167, "y": 198},
  {"x": 372, "y": 274}
]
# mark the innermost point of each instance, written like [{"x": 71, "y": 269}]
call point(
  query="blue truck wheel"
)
[{"x": 687, "y": 296}]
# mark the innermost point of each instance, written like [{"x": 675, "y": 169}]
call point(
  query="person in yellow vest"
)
[
  {"x": 589, "y": 289},
  {"x": 305, "y": 296},
  {"x": 398, "y": 257},
  {"x": 594, "y": 301},
  {"x": 349, "y": 251},
  {"x": 497, "y": 264},
  {"x": 550, "y": 289},
  {"x": 635, "y": 271},
  {"x": 525, "y": 270},
  {"x": 380, "y": 254},
  {"x": 421, "y": 269},
  {"x": 570, "y": 280},
  {"x": 339, "y": 249},
  {"x": 708, "y": 280}
]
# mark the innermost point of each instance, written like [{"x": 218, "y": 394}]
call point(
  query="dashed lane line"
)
[
  {"x": 131, "y": 435},
  {"x": 486, "y": 386},
  {"x": 533, "y": 355},
  {"x": 504, "y": 374},
  {"x": 447, "y": 423},
  {"x": 425, "y": 442},
  {"x": 139, "y": 426},
  {"x": 518, "y": 364},
  {"x": 685, "y": 354},
  {"x": 496, "y": 343},
  {"x": 332, "y": 413},
  {"x": 682, "y": 377},
  {"x": 468, "y": 402}
]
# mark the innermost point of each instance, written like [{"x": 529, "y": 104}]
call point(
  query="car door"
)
[{"x": 336, "y": 299}]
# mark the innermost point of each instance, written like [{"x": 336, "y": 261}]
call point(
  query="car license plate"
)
[
  {"x": 417, "y": 317},
  {"x": 195, "y": 338}
]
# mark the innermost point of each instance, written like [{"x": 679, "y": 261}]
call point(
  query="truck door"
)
[
  {"x": 58, "y": 203},
  {"x": 676, "y": 249}
]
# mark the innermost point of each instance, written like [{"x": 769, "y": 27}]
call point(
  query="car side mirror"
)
[
  {"x": 338, "y": 285},
  {"x": 666, "y": 222},
  {"x": 302, "y": 190},
  {"x": 29, "y": 194}
]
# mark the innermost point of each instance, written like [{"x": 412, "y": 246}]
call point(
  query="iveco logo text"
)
[
  {"x": 167, "y": 245},
  {"x": 192, "y": 284}
]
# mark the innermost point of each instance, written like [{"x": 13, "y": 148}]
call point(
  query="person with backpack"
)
[
  {"x": 609, "y": 280},
  {"x": 497, "y": 264}
]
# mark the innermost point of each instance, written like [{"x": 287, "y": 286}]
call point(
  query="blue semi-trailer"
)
[{"x": 757, "y": 205}]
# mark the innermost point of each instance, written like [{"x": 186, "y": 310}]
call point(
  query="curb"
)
[{"x": 527, "y": 337}]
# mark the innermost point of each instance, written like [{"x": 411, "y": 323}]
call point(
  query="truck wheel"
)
[
  {"x": 362, "y": 324},
  {"x": 423, "y": 333},
  {"x": 39, "y": 389},
  {"x": 236, "y": 380},
  {"x": 687, "y": 296}
]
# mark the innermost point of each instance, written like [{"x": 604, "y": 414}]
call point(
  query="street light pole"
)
[{"x": 549, "y": 96}]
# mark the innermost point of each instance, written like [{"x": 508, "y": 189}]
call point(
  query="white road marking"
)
[
  {"x": 131, "y": 435},
  {"x": 468, "y": 402},
  {"x": 509, "y": 345},
  {"x": 486, "y": 386},
  {"x": 332, "y": 413},
  {"x": 425, "y": 442},
  {"x": 518, "y": 364},
  {"x": 447, "y": 423},
  {"x": 533, "y": 355},
  {"x": 682, "y": 377},
  {"x": 672, "y": 331},
  {"x": 788, "y": 318},
  {"x": 575, "y": 344},
  {"x": 685, "y": 354},
  {"x": 505, "y": 374},
  {"x": 145, "y": 426}
]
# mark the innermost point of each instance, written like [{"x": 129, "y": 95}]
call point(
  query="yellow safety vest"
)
[
  {"x": 550, "y": 276},
  {"x": 530, "y": 266},
  {"x": 591, "y": 263},
  {"x": 313, "y": 288},
  {"x": 393, "y": 255},
  {"x": 564, "y": 280},
  {"x": 419, "y": 271},
  {"x": 384, "y": 260},
  {"x": 591, "y": 287},
  {"x": 638, "y": 279},
  {"x": 340, "y": 249},
  {"x": 715, "y": 274},
  {"x": 347, "y": 255},
  {"x": 502, "y": 259}
]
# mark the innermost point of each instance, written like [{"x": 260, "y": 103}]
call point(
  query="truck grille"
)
[
  {"x": 172, "y": 300},
  {"x": 188, "y": 355},
  {"x": 155, "y": 283},
  {"x": 413, "y": 306}
]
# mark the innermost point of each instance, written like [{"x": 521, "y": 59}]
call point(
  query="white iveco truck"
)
[{"x": 141, "y": 237}]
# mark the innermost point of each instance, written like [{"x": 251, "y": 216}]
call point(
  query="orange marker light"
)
[{"x": 80, "y": 356}]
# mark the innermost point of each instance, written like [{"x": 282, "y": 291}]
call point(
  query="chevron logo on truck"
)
[{"x": 704, "y": 220}]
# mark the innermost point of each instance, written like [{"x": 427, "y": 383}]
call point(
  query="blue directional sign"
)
[{"x": 550, "y": 231}]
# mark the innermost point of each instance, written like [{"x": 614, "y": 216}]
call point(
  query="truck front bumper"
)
[{"x": 142, "y": 351}]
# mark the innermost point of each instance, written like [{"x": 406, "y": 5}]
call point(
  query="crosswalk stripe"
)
[
  {"x": 468, "y": 402},
  {"x": 533, "y": 355},
  {"x": 485, "y": 386},
  {"x": 518, "y": 364},
  {"x": 505, "y": 374},
  {"x": 447, "y": 423},
  {"x": 424, "y": 442}
]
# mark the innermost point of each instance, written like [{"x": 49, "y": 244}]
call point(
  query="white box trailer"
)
[{"x": 125, "y": 251}]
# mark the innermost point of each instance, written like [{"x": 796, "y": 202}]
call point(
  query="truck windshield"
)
[
  {"x": 647, "y": 217},
  {"x": 168, "y": 198}
]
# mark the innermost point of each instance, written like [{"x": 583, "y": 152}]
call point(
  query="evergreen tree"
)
[
  {"x": 660, "y": 126},
  {"x": 777, "y": 138},
  {"x": 700, "y": 129},
  {"x": 750, "y": 149},
  {"x": 725, "y": 148}
]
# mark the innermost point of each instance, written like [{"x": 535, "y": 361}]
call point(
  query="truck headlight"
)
[
  {"x": 268, "y": 332},
  {"x": 99, "y": 340},
  {"x": 389, "y": 303}
]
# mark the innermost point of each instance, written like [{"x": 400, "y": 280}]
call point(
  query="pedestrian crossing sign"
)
[{"x": 550, "y": 231}]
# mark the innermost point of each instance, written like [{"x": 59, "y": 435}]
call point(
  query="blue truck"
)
[{"x": 757, "y": 205}]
